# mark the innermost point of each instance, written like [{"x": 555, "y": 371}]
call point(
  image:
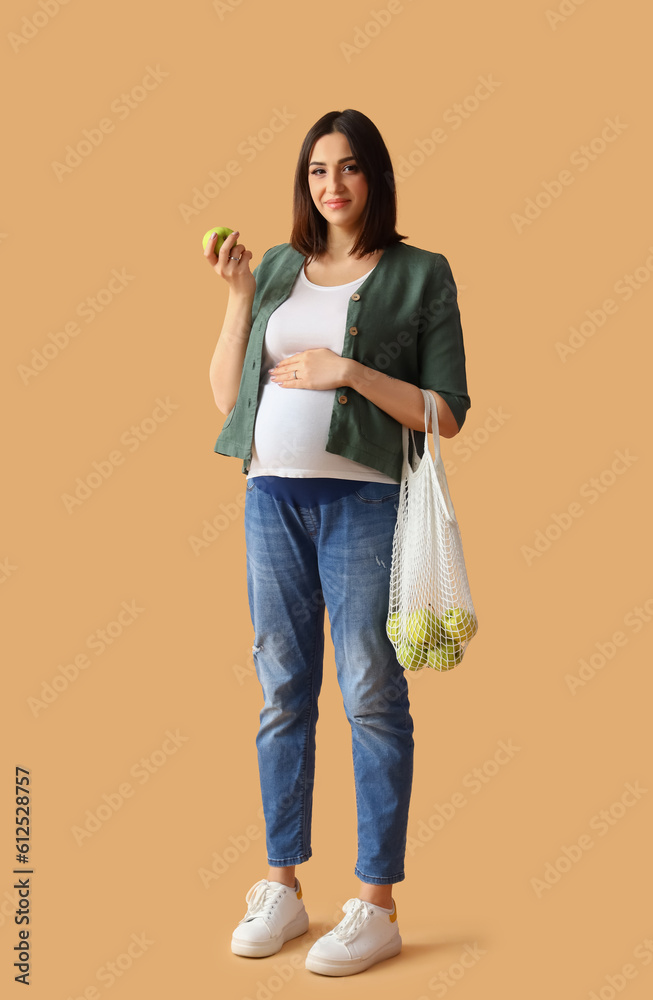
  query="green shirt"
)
[{"x": 403, "y": 320}]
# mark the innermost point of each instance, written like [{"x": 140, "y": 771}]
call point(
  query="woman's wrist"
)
[{"x": 354, "y": 373}]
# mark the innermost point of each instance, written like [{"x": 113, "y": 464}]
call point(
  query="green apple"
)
[
  {"x": 222, "y": 232},
  {"x": 441, "y": 633},
  {"x": 459, "y": 625},
  {"x": 410, "y": 657},
  {"x": 421, "y": 627},
  {"x": 393, "y": 626},
  {"x": 444, "y": 657}
]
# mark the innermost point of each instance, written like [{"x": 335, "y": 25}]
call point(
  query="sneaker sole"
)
[
  {"x": 259, "y": 949},
  {"x": 334, "y": 967}
]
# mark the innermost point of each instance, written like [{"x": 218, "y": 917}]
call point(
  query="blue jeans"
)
[{"x": 299, "y": 560}]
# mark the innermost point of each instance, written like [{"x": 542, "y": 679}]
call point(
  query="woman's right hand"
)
[{"x": 235, "y": 272}]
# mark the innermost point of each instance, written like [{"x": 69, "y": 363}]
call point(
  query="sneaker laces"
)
[
  {"x": 259, "y": 898},
  {"x": 357, "y": 912}
]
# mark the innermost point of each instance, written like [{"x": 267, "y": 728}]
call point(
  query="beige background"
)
[{"x": 181, "y": 662}]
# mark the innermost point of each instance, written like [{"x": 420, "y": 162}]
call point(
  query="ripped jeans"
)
[{"x": 299, "y": 560}]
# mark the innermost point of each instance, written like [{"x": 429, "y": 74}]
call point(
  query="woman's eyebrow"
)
[{"x": 318, "y": 163}]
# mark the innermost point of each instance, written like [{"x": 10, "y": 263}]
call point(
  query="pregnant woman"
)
[{"x": 318, "y": 365}]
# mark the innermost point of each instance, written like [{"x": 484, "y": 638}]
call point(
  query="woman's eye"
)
[{"x": 348, "y": 166}]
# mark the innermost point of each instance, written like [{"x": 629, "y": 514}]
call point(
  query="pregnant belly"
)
[{"x": 292, "y": 427}]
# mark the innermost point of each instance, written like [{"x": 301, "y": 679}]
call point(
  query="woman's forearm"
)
[
  {"x": 227, "y": 361},
  {"x": 402, "y": 400}
]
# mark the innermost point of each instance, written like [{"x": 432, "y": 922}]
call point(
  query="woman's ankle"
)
[
  {"x": 284, "y": 875},
  {"x": 378, "y": 895}
]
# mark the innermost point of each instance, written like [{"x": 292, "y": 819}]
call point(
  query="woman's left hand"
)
[{"x": 317, "y": 368}]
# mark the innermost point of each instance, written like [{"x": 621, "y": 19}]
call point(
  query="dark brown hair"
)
[{"x": 379, "y": 218}]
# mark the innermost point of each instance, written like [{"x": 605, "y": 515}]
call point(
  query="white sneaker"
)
[
  {"x": 367, "y": 934},
  {"x": 275, "y": 914}
]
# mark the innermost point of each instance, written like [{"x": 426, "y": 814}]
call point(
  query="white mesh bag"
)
[{"x": 431, "y": 618}]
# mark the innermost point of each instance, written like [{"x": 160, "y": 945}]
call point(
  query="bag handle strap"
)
[
  {"x": 430, "y": 407},
  {"x": 430, "y": 410}
]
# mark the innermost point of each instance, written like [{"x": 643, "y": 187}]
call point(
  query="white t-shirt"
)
[{"x": 292, "y": 425}]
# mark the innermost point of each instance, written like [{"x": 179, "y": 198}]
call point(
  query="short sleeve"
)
[
  {"x": 262, "y": 260},
  {"x": 440, "y": 346}
]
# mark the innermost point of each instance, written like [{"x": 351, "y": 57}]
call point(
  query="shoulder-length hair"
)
[{"x": 379, "y": 219}]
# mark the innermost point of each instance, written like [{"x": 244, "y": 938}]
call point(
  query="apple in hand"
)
[
  {"x": 459, "y": 624},
  {"x": 222, "y": 231},
  {"x": 444, "y": 657},
  {"x": 410, "y": 657},
  {"x": 422, "y": 628}
]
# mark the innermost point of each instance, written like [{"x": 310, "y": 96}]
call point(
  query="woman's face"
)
[{"x": 330, "y": 181}]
